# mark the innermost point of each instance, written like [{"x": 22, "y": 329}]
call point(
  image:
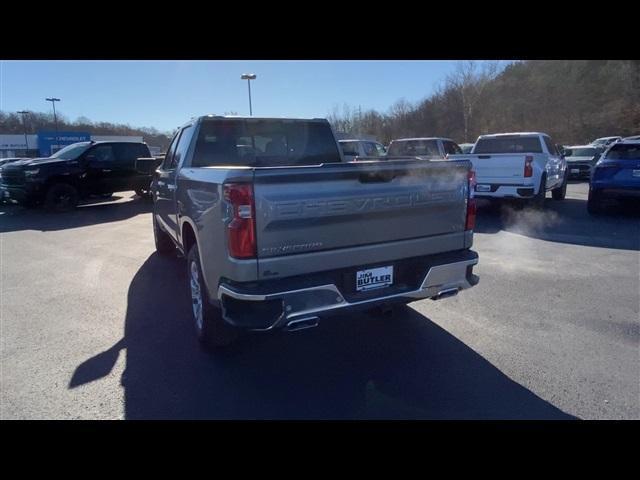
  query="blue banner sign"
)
[{"x": 50, "y": 142}]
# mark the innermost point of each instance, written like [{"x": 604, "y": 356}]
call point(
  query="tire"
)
[
  {"x": 214, "y": 334},
  {"x": 538, "y": 200},
  {"x": 61, "y": 197},
  {"x": 164, "y": 244},
  {"x": 594, "y": 203},
  {"x": 561, "y": 192}
]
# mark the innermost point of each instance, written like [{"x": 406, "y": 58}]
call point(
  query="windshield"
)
[
  {"x": 71, "y": 152},
  {"x": 515, "y": 144},
  {"x": 629, "y": 151},
  {"x": 580, "y": 152},
  {"x": 414, "y": 148}
]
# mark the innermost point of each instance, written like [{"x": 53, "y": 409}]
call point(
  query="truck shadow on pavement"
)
[
  {"x": 565, "y": 221},
  {"x": 349, "y": 367},
  {"x": 15, "y": 218}
]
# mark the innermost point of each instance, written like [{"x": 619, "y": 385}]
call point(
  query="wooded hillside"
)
[{"x": 573, "y": 101}]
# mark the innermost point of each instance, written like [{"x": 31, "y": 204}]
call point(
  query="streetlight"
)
[
  {"x": 248, "y": 77},
  {"x": 55, "y": 119},
  {"x": 24, "y": 125}
]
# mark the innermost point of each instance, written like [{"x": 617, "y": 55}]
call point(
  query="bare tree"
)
[{"x": 470, "y": 79}]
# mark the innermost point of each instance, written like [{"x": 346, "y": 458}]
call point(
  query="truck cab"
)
[{"x": 426, "y": 147}]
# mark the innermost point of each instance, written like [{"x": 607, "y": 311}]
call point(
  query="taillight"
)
[
  {"x": 241, "y": 231},
  {"x": 528, "y": 166},
  {"x": 470, "y": 222}
]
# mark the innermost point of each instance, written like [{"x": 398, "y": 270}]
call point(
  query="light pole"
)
[
  {"x": 24, "y": 126},
  {"x": 248, "y": 77},
  {"x": 55, "y": 119}
]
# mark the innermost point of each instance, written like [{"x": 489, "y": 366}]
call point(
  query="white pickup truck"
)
[{"x": 519, "y": 166}]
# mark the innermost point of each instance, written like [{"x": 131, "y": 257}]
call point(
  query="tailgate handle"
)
[
  {"x": 484, "y": 156},
  {"x": 377, "y": 177}
]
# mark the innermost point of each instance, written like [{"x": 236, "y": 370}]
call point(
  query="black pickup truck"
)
[{"x": 79, "y": 171}]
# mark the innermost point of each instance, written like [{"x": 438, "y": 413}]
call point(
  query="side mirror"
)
[{"x": 90, "y": 158}]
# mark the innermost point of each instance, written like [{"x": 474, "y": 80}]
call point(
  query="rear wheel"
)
[
  {"x": 561, "y": 192},
  {"x": 61, "y": 197},
  {"x": 213, "y": 332}
]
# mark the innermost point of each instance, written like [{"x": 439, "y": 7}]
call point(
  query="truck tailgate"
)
[
  {"x": 498, "y": 167},
  {"x": 326, "y": 208}
]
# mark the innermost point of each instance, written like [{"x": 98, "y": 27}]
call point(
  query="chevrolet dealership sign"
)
[{"x": 50, "y": 142}]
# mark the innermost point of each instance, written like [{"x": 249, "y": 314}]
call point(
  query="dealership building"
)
[{"x": 44, "y": 144}]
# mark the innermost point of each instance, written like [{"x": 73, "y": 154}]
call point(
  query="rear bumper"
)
[
  {"x": 498, "y": 190},
  {"x": 610, "y": 191},
  {"x": 442, "y": 275}
]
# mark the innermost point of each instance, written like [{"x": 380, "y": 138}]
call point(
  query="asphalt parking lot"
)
[{"x": 95, "y": 325}]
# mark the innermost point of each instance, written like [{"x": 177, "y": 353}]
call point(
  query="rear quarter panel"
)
[{"x": 199, "y": 199}]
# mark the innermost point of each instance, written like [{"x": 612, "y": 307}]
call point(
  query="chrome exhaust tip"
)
[
  {"x": 302, "y": 323},
  {"x": 450, "y": 292}
]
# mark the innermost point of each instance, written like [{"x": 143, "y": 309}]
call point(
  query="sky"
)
[{"x": 165, "y": 94}]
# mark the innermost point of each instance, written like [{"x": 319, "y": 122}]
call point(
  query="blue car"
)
[{"x": 616, "y": 176}]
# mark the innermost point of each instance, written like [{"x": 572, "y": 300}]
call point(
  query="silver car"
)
[{"x": 581, "y": 159}]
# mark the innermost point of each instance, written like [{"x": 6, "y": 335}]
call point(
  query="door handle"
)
[
  {"x": 171, "y": 187},
  {"x": 106, "y": 170}
]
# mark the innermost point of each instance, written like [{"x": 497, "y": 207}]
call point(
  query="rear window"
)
[
  {"x": 629, "y": 151},
  {"x": 414, "y": 148},
  {"x": 508, "y": 145},
  {"x": 264, "y": 143},
  {"x": 451, "y": 148},
  {"x": 349, "y": 148}
]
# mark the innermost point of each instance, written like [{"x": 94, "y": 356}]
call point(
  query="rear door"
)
[
  {"x": 101, "y": 171},
  {"x": 165, "y": 199},
  {"x": 129, "y": 178},
  {"x": 302, "y": 210},
  {"x": 124, "y": 166}
]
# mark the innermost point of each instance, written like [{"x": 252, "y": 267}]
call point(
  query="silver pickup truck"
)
[{"x": 280, "y": 232}]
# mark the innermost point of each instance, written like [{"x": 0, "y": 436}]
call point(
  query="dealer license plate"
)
[{"x": 374, "y": 278}]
